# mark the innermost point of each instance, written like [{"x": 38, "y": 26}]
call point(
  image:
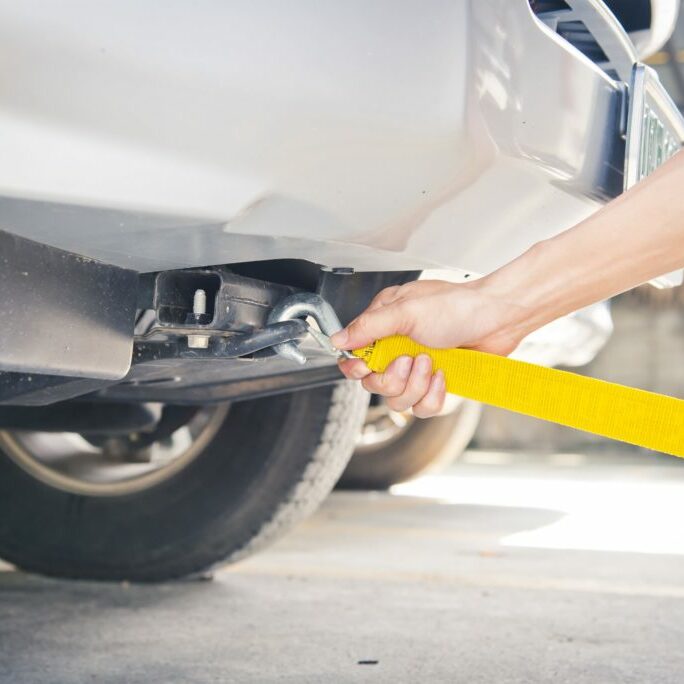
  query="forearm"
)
[{"x": 635, "y": 238}]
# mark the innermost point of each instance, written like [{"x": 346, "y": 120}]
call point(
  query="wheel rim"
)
[
  {"x": 69, "y": 462},
  {"x": 382, "y": 426}
]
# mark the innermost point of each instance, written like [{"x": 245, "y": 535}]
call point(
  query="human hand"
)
[
  {"x": 437, "y": 314},
  {"x": 607, "y": 253}
]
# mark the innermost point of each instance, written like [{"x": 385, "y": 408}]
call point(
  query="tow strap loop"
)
[{"x": 646, "y": 419}]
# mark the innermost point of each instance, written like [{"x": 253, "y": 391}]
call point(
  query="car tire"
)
[
  {"x": 422, "y": 445},
  {"x": 270, "y": 463}
]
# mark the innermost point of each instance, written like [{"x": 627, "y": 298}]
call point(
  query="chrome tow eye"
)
[{"x": 303, "y": 305}]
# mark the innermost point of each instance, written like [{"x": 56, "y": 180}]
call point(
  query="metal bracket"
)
[{"x": 225, "y": 345}]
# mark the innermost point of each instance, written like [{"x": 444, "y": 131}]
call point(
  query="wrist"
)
[{"x": 524, "y": 290}]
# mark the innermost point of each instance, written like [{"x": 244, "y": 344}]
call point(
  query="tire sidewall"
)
[{"x": 210, "y": 510}]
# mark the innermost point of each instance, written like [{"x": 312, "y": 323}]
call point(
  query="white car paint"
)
[{"x": 379, "y": 135}]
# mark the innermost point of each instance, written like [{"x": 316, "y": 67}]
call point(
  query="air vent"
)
[
  {"x": 541, "y": 6},
  {"x": 577, "y": 34},
  {"x": 579, "y": 22}
]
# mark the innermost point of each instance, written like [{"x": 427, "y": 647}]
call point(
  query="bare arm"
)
[
  {"x": 638, "y": 236},
  {"x": 635, "y": 238}
]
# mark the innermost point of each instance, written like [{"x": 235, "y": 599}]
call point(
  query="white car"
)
[{"x": 173, "y": 174}]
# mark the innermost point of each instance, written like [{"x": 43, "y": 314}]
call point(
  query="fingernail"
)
[
  {"x": 340, "y": 338},
  {"x": 360, "y": 371},
  {"x": 423, "y": 364},
  {"x": 403, "y": 366}
]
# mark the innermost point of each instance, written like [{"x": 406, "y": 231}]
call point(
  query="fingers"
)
[
  {"x": 431, "y": 404},
  {"x": 372, "y": 325},
  {"x": 393, "y": 381},
  {"x": 416, "y": 387},
  {"x": 354, "y": 369},
  {"x": 407, "y": 383}
]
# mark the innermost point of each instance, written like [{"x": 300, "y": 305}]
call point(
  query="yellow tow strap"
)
[{"x": 646, "y": 419}]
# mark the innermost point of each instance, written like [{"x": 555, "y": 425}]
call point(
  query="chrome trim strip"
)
[
  {"x": 645, "y": 85},
  {"x": 652, "y": 114}
]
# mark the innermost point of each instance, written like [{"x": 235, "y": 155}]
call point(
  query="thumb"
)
[{"x": 370, "y": 326}]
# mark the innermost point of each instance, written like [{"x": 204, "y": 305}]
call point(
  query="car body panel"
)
[{"x": 375, "y": 135}]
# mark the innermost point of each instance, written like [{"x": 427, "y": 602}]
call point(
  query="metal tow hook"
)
[{"x": 301, "y": 305}]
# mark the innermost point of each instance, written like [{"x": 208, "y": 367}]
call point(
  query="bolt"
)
[
  {"x": 199, "y": 307},
  {"x": 199, "y": 302}
]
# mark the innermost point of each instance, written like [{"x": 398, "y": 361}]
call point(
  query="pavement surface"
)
[{"x": 507, "y": 568}]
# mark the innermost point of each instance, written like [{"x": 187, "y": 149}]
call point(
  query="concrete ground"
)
[{"x": 508, "y": 568}]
